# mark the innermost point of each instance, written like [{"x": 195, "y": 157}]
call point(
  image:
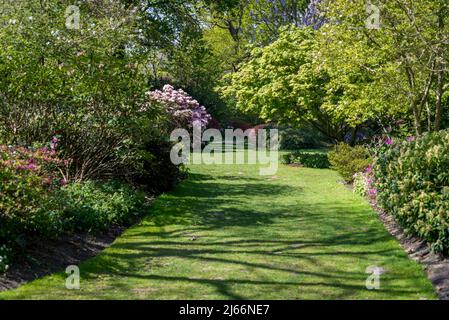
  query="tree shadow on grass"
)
[
  {"x": 192, "y": 228},
  {"x": 264, "y": 254},
  {"x": 202, "y": 201},
  {"x": 216, "y": 253}
]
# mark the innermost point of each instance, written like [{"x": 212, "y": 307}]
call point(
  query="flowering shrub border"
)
[{"x": 412, "y": 181}]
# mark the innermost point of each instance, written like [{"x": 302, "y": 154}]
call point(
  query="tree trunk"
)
[
  {"x": 439, "y": 102},
  {"x": 441, "y": 65},
  {"x": 354, "y": 136},
  {"x": 429, "y": 118},
  {"x": 417, "y": 119}
]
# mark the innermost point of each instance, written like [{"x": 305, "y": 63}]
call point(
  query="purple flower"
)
[
  {"x": 412, "y": 138},
  {"x": 389, "y": 141},
  {"x": 369, "y": 169},
  {"x": 180, "y": 105}
]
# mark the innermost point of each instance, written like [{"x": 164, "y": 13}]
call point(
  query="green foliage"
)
[
  {"x": 150, "y": 167},
  {"x": 303, "y": 138},
  {"x": 404, "y": 60},
  {"x": 96, "y": 206},
  {"x": 5, "y": 254},
  {"x": 361, "y": 184},
  {"x": 349, "y": 160},
  {"x": 86, "y": 85},
  {"x": 264, "y": 84},
  {"x": 412, "y": 181},
  {"x": 284, "y": 83},
  {"x": 28, "y": 178},
  {"x": 307, "y": 159},
  {"x": 33, "y": 204}
]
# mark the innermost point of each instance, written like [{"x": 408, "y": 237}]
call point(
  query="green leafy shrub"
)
[
  {"x": 412, "y": 181},
  {"x": 349, "y": 160},
  {"x": 96, "y": 206},
  {"x": 286, "y": 158},
  {"x": 150, "y": 167},
  {"x": 91, "y": 94},
  {"x": 304, "y": 138},
  {"x": 307, "y": 159}
]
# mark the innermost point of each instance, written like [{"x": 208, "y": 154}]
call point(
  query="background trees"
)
[
  {"x": 408, "y": 62},
  {"x": 352, "y": 76},
  {"x": 292, "y": 62}
]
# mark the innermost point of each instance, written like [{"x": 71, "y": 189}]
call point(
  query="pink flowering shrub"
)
[
  {"x": 27, "y": 180},
  {"x": 185, "y": 110},
  {"x": 412, "y": 182},
  {"x": 43, "y": 163}
]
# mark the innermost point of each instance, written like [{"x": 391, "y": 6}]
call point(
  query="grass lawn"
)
[{"x": 228, "y": 233}]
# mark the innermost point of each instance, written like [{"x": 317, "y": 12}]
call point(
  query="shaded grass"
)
[{"x": 228, "y": 233}]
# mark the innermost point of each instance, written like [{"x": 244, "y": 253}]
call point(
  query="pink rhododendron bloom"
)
[{"x": 180, "y": 105}]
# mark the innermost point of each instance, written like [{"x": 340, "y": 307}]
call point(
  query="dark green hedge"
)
[{"x": 307, "y": 159}]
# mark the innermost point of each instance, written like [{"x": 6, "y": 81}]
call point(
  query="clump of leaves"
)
[{"x": 349, "y": 160}]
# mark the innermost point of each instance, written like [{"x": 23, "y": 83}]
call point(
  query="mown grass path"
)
[{"x": 228, "y": 233}]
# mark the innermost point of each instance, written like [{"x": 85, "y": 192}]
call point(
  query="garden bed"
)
[
  {"x": 435, "y": 265},
  {"x": 44, "y": 257}
]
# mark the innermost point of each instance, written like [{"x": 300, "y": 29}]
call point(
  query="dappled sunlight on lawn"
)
[{"x": 229, "y": 233}]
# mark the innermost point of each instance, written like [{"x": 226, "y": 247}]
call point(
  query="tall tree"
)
[{"x": 410, "y": 43}]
